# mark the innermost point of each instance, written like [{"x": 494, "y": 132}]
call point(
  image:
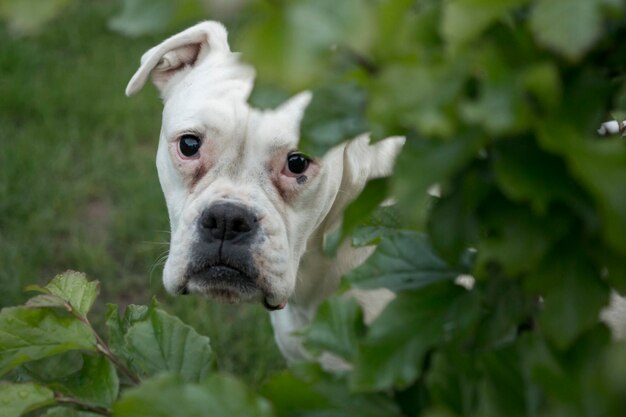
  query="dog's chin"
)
[
  {"x": 223, "y": 284},
  {"x": 228, "y": 285}
]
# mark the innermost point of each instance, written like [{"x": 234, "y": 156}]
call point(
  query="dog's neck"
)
[{"x": 319, "y": 276}]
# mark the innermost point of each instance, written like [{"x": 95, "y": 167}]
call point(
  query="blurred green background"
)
[{"x": 78, "y": 183}]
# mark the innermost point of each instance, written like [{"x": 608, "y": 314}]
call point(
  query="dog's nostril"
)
[
  {"x": 210, "y": 222},
  {"x": 240, "y": 225},
  {"x": 227, "y": 221}
]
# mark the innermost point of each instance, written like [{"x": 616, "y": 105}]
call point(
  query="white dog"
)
[{"x": 248, "y": 211}]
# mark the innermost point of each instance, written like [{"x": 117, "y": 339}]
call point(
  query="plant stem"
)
[
  {"x": 82, "y": 405},
  {"x": 102, "y": 347},
  {"x": 106, "y": 351}
]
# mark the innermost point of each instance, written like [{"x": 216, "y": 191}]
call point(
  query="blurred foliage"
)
[{"x": 499, "y": 100}]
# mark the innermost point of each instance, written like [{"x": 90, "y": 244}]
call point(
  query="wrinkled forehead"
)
[
  {"x": 198, "y": 113},
  {"x": 231, "y": 121}
]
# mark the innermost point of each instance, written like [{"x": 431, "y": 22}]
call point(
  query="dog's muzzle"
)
[{"x": 221, "y": 263}]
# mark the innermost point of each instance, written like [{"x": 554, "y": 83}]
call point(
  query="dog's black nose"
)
[{"x": 228, "y": 221}]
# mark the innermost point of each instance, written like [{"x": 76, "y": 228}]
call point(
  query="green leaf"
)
[
  {"x": 67, "y": 412},
  {"x": 19, "y": 399},
  {"x": 96, "y": 383},
  {"x": 289, "y": 45},
  {"x": 74, "y": 288},
  {"x": 424, "y": 104},
  {"x": 599, "y": 167},
  {"x": 416, "y": 321},
  {"x": 570, "y": 27},
  {"x": 118, "y": 327},
  {"x": 515, "y": 239},
  {"x": 336, "y": 328},
  {"x": 383, "y": 222},
  {"x": 451, "y": 380},
  {"x": 573, "y": 294},
  {"x": 164, "y": 343},
  {"x": 371, "y": 197},
  {"x": 425, "y": 162},
  {"x": 27, "y": 334},
  {"x": 335, "y": 114},
  {"x": 307, "y": 391},
  {"x": 506, "y": 309},
  {"x": 55, "y": 367},
  {"x": 402, "y": 261},
  {"x": 47, "y": 300},
  {"x": 504, "y": 389},
  {"x": 169, "y": 395},
  {"x": 547, "y": 181},
  {"x": 464, "y": 20},
  {"x": 142, "y": 17},
  {"x": 452, "y": 224}
]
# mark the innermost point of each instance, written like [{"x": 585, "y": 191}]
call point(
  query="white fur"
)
[{"x": 205, "y": 90}]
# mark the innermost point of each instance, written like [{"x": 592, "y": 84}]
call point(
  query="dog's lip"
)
[
  {"x": 270, "y": 307},
  {"x": 219, "y": 279}
]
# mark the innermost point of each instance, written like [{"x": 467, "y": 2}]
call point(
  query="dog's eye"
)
[
  {"x": 189, "y": 145},
  {"x": 297, "y": 163}
]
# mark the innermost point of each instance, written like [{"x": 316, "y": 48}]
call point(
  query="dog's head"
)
[{"x": 244, "y": 203}]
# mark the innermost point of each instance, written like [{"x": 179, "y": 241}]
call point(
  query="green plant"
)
[{"x": 58, "y": 359}]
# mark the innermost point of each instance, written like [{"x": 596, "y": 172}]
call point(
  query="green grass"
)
[{"x": 78, "y": 184}]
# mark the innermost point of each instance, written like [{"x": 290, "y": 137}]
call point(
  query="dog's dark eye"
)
[
  {"x": 189, "y": 145},
  {"x": 297, "y": 163}
]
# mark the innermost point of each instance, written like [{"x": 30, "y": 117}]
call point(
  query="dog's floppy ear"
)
[
  {"x": 177, "y": 52},
  {"x": 359, "y": 162}
]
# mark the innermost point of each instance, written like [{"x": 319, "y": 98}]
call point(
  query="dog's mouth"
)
[{"x": 227, "y": 284}]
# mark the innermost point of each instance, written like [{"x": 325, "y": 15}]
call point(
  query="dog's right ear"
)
[{"x": 180, "y": 51}]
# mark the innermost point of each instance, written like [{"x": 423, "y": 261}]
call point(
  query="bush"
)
[{"x": 500, "y": 101}]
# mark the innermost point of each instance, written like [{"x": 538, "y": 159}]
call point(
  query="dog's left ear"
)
[
  {"x": 358, "y": 162},
  {"x": 183, "y": 50}
]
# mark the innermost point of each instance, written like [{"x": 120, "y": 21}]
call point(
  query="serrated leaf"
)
[
  {"x": 96, "y": 383},
  {"x": 336, "y": 328},
  {"x": 164, "y": 343},
  {"x": 118, "y": 327},
  {"x": 19, "y": 399},
  {"x": 27, "y": 334},
  {"x": 403, "y": 261},
  {"x": 74, "y": 288},
  {"x": 46, "y": 300},
  {"x": 169, "y": 395},
  {"x": 569, "y": 27},
  {"x": 394, "y": 347},
  {"x": 464, "y": 20}
]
